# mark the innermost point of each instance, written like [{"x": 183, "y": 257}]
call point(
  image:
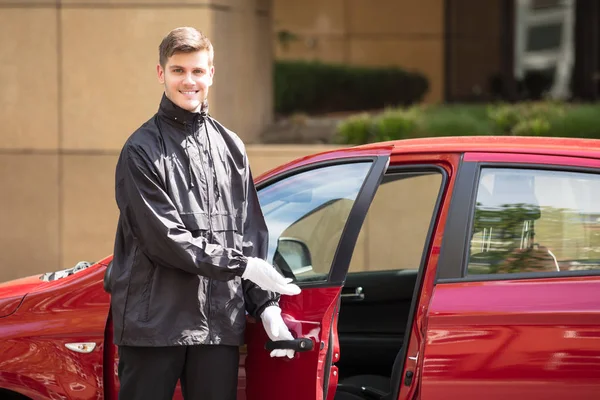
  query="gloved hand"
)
[
  {"x": 266, "y": 277},
  {"x": 277, "y": 330}
]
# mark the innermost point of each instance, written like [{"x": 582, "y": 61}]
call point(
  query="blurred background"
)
[{"x": 292, "y": 78}]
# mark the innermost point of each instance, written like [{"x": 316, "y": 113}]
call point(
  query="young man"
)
[{"x": 190, "y": 244}]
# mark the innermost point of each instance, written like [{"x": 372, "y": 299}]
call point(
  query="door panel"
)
[
  {"x": 517, "y": 339},
  {"x": 372, "y": 329},
  {"x": 308, "y": 315}
]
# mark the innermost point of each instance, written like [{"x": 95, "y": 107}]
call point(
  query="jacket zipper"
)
[{"x": 195, "y": 133}]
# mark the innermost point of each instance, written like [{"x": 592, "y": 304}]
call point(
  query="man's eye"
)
[
  {"x": 199, "y": 71},
  {"x": 177, "y": 70}
]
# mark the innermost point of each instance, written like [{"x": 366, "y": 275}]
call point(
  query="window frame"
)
[{"x": 454, "y": 260}]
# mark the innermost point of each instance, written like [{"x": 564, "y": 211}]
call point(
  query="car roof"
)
[
  {"x": 495, "y": 144},
  {"x": 588, "y": 148}
]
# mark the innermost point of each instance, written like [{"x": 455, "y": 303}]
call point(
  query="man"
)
[{"x": 190, "y": 244}]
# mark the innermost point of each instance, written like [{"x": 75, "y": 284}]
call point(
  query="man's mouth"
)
[{"x": 188, "y": 92}]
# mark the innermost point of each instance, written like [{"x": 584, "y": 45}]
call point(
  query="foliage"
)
[
  {"x": 520, "y": 119},
  {"x": 315, "y": 87}
]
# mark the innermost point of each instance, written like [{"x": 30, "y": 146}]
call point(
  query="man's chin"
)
[{"x": 190, "y": 105}]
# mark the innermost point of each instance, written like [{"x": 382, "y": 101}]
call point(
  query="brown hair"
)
[{"x": 184, "y": 40}]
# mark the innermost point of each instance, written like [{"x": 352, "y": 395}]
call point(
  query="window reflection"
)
[
  {"x": 535, "y": 221},
  {"x": 306, "y": 214}
]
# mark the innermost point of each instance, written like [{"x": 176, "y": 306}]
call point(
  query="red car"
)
[{"x": 449, "y": 268}]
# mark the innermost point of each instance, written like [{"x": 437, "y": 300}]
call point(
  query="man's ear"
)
[
  {"x": 160, "y": 72},
  {"x": 212, "y": 74}
]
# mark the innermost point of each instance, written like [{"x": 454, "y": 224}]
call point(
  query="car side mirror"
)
[
  {"x": 293, "y": 257},
  {"x": 107, "y": 277}
]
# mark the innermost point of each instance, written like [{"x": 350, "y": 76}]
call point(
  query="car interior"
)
[{"x": 378, "y": 293}]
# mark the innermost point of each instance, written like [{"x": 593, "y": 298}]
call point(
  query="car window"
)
[
  {"x": 529, "y": 220},
  {"x": 395, "y": 230},
  {"x": 305, "y": 215}
]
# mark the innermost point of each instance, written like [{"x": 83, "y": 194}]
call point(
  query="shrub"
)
[
  {"x": 525, "y": 118},
  {"x": 522, "y": 119},
  {"x": 315, "y": 87},
  {"x": 578, "y": 121},
  {"x": 455, "y": 121}
]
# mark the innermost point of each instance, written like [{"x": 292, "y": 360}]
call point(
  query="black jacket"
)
[{"x": 189, "y": 217}]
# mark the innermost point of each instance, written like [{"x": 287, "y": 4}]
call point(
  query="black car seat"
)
[{"x": 372, "y": 387}]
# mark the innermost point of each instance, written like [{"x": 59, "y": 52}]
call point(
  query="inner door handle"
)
[{"x": 358, "y": 295}]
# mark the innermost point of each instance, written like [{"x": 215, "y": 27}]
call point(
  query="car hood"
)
[{"x": 13, "y": 292}]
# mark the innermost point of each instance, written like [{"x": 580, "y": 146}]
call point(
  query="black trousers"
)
[{"x": 151, "y": 373}]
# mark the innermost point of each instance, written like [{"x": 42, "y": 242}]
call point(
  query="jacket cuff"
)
[{"x": 269, "y": 303}]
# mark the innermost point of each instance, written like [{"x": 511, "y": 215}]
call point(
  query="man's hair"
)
[{"x": 184, "y": 40}]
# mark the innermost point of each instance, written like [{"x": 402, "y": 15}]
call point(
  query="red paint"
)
[
  {"x": 514, "y": 339},
  {"x": 35, "y": 361},
  {"x": 496, "y": 144},
  {"x": 308, "y": 315}
]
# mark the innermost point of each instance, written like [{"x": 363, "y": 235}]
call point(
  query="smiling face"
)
[{"x": 186, "y": 78}]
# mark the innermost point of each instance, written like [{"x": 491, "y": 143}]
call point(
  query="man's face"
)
[{"x": 187, "y": 77}]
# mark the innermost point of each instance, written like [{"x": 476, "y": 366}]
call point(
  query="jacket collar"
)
[{"x": 173, "y": 112}]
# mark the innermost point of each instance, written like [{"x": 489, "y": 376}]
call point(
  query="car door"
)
[
  {"x": 515, "y": 310},
  {"x": 314, "y": 214}
]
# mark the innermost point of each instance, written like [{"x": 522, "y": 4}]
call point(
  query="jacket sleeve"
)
[
  {"x": 256, "y": 241},
  {"x": 157, "y": 226}
]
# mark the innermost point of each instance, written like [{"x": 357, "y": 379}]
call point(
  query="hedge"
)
[
  {"x": 521, "y": 119},
  {"x": 314, "y": 87}
]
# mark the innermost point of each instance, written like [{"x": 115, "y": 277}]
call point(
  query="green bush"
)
[
  {"x": 356, "y": 129},
  {"x": 578, "y": 121},
  {"x": 392, "y": 124},
  {"x": 521, "y": 119},
  {"x": 455, "y": 121},
  {"x": 315, "y": 87},
  {"x": 525, "y": 119}
]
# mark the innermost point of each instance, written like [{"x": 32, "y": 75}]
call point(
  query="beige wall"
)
[
  {"x": 405, "y": 33},
  {"x": 77, "y": 78}
]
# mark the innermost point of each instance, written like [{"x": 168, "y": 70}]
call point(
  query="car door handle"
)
[
  {"x": 298, "y": 345},
  {"x": 358, "y": 295}
]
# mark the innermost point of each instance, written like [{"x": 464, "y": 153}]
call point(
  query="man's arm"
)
[
  {"x": 256, "y": 242},
  {"x": 158, "y": 228}
]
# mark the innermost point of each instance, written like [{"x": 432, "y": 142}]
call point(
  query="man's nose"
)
[{"x": 188, "y": 79}]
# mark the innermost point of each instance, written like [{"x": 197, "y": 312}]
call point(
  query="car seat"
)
[{"x": 372, "y": 387}]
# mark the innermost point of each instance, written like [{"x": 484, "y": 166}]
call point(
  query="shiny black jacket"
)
[{"x": 189, "y": 217}]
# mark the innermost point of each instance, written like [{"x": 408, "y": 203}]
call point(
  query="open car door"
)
[{"x": 314, "y": 214}]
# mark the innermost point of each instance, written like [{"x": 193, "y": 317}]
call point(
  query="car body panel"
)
[
  {"x": 13, "y": 292},
  {"x": 35, "y": 360},
  {"x": 514, "y": 338},
  {"x": 569, "y": 147},
  {"x": 309, "y": 315}
]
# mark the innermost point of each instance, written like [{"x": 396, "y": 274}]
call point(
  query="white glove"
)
[
  {"x": 277, "y": 330},
  {"x": 267, "y": 278}
]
